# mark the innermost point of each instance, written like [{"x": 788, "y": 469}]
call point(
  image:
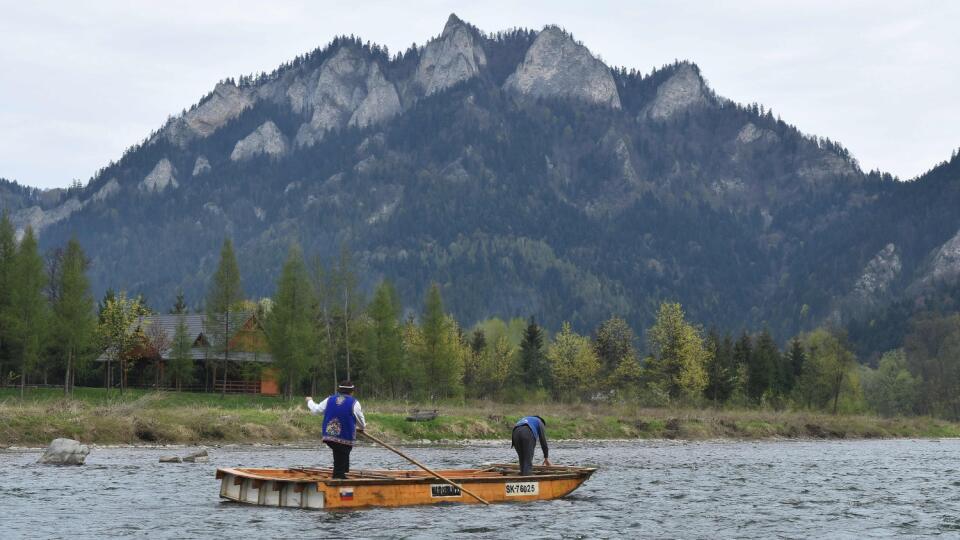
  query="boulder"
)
[
  {"x": 197, "y": 457},
  {"x": 65, "y": 452}
]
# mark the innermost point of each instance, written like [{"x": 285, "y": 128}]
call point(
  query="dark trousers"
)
[
  {"x": 524, "y": 442},
  {"x": 341, "y": 458}
]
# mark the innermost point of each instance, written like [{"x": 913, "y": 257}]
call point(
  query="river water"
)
[{"x": 802, "y": 489}]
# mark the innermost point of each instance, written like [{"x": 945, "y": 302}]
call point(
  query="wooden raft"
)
[{"x": 314, "y": 488}]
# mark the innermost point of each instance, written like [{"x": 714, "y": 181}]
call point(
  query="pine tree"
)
[
  {"x": 74, "y": 323},
  {"x": 222, "y": 299},
  {"x": 29, "y": 307},
  {"x": 533, "y": 360},
  {"x": 290, "y": 329}
]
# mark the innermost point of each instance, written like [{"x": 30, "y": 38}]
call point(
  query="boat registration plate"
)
[
  {"x": 515, "y": 489},
  {"x": 444, "y": 490}
]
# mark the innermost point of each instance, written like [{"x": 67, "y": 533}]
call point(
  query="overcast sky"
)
[{"x": 80, "y": 83}]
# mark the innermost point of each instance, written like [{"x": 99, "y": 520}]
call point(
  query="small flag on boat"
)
[{"x": 346, "y": 494}]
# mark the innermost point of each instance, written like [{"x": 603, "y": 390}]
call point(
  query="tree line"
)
[{"x": 320, "y": 328}]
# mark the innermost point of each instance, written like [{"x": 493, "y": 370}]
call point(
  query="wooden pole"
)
[{"x": 424, "y": 467}]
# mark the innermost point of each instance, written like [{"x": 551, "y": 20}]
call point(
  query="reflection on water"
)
[{"x": 850, "y": 489}]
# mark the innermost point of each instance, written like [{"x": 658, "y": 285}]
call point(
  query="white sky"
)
[{"x": 80, "y": 82}]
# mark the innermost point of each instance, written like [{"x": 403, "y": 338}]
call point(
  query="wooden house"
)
[{"x": 246, "y": 356}]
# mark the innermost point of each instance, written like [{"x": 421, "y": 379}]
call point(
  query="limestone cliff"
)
[
  {"x": 684, "y": 90},
  {"x": 162, "y": 176},
  {"x": 349, "y": 89},
  {"x": 557, "y": 66},
  {"x": 266, "y": 139},
  {"x": 455, "y": 56}
]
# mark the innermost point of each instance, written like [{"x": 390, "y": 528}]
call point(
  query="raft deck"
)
[{"x": 314, "y": 488}]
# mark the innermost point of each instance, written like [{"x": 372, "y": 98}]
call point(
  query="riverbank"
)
[{"x": 141, "y": 417}]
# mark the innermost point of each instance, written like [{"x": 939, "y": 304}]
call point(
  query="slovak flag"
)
[{"x": 346, "y": 494}]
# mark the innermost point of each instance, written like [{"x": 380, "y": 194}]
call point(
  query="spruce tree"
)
[
  {"x": 74, "y": 322},
  {"x": 793, "y": 365},
  {"x": 290, "y": 329},
  {"x": 180, "y": 368},
  {"x": 533, "y": 360},
  {"x": 29, "y": 307},
  {"x": 222, "y": 299},
  {"x": 180, "y": 306},
  {"x": 383, "y": 369},
  {"x": 8, "y": 252},
  {"x": 762, "y": 368},
  {"x": 614, "y": 341}
]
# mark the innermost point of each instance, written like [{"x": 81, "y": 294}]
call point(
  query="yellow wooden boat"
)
[{"x": 315, "y": 488}]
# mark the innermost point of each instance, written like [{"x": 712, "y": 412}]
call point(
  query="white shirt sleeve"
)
[
  {"x": 361, "y": 421},
  {"x": 317, "y": 408}
]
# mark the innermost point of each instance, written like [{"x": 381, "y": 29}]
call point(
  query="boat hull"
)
[{"x": 315, "y": 489}]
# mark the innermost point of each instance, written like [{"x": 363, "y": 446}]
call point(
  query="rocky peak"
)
[
  {"x": 557, "y": 66},
  {"x": 225, "y": 103},
  {"x": 348, "y": 89},
  {"x": 684, "y": 90},
  {"x": 266, "y": 139},
  {"x": 457, "y": 55}
]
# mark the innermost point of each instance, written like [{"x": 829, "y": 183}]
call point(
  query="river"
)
[{"x": 796, "y": 489}]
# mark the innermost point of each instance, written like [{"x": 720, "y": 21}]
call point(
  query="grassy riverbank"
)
[{"x": 140, "y": 417}]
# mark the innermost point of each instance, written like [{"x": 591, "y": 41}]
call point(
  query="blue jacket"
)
[{"x": 539, "y": 432}]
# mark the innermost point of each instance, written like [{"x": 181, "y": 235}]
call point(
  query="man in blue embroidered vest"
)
[
  {"x": 526, "y": 432},
  {"x": 342, "y": 418}
]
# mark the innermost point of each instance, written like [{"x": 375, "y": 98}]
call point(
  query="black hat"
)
[{"x": 346, "y": 385}]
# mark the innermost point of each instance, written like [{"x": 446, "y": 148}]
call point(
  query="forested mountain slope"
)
[{"x": 524, "y": 176}]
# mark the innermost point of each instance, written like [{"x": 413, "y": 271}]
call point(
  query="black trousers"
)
[
  {"x": 524, "y": 442},
  {"x": 341, "y": 458}
]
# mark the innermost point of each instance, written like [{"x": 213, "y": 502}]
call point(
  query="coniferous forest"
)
[{"x": 321, "y": 326}]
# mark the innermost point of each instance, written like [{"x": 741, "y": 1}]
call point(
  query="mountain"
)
[{"x": 526, "y": 177}]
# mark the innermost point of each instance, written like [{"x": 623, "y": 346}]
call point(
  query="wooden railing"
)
[{"x": 238, "y": 387}]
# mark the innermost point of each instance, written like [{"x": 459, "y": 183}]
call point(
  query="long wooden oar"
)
[{"x": 424, "y": 467}]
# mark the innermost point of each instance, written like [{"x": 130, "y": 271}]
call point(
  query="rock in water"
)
[
  {"x": 171, "y": 459},
  {"x": 65, "y": 452},
  {"x": 197, "y": 457}
]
